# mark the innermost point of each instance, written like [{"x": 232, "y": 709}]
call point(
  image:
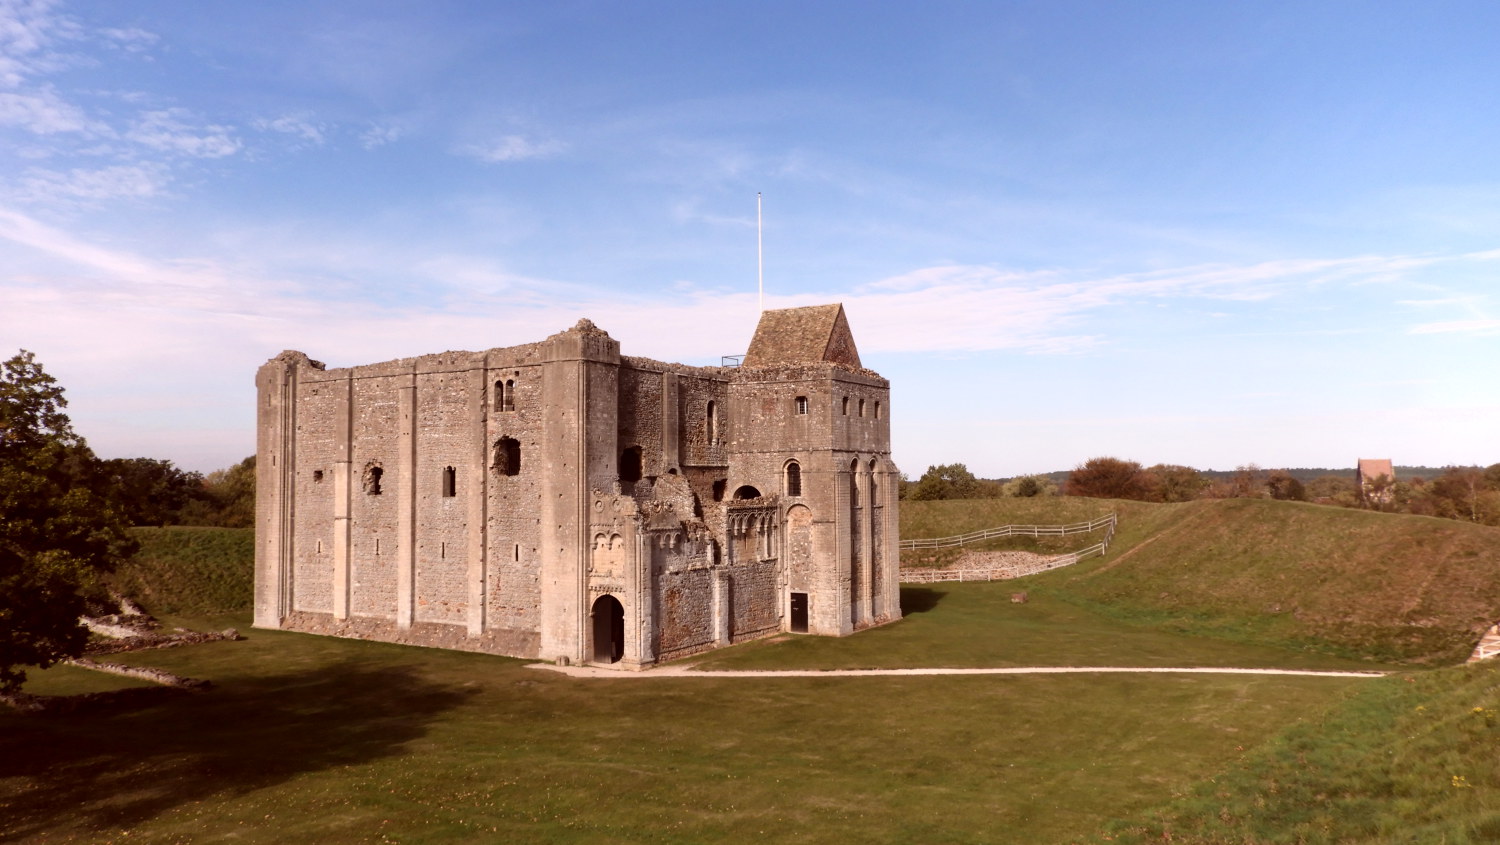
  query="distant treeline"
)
[
  {"x": 155, "y": 492},
  {"x": 1468, "y": 493}
]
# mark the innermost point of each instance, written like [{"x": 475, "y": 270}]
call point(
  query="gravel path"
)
[{"x": 688, "y": 672}]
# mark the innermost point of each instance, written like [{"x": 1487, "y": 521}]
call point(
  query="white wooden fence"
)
[
  {"x": 1108, "y": 520},
  {"x": 919, "y": 575}
]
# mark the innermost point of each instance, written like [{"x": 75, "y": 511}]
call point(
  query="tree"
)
[
  {"x": 226, "y": 500},
  {"x": 57, "y": 532},
  {"x": 151, "y": 492},
  {"x": 1027, "y": 486},
  {"x": 1282, "y": 485},
  {"x": 1175, "y": 483},
  {"x": 1108, "y": 478},
  {"x": 945, "y": 481}
]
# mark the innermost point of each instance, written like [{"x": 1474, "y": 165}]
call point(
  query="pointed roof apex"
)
[{"x": 803, "y": 335}]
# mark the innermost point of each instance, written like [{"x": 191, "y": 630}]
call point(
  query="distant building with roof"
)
[
  {"x": 559, "y": 500},
  {"x": 1375, "y": 477}
]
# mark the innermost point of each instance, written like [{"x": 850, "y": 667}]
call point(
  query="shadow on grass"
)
[
  {"x": 110, "y": 769},
  {"x": 919, "y": 599}
]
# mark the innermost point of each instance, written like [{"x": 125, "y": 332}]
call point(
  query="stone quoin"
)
[{"x": 558, "y": 500}]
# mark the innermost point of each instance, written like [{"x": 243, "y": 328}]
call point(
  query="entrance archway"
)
[{"x": 609, "y": 629}]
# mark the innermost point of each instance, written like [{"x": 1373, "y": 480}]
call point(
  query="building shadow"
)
[
  {"x": 131, "y": 758},
  {"x": 919, "y": 599}
]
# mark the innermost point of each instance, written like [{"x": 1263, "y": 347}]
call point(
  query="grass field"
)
[{"x": 318, "y": 739}]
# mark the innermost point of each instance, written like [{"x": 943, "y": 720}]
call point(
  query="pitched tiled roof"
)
[
  {"x": 1373, "y": 468},
  {"x": 803, "y": 335}
]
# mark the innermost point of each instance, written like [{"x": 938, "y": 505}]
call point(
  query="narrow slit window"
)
[
  {"x": 861, "y": 407},
  {"x": 499, "y": 395},
  {"x": 846, "y": 406},
  {"x": 450, "y": 482},
  {"x": 877, "y": 410},
  {"x": 711, "y": 423},
  {"x": 509, "y": 403}
]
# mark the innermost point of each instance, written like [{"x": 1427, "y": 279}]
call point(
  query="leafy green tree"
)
[
  {"x": 149, "y": 491},
  {"x": 1108, "y": 478},
  {"x": 945, "y": 481},
  {"x": 57, "y": 531},
  {"x": 1282, "y": 485},
  {"x": 227, "y": 499},
  {"x": 1175, "y": 483}
]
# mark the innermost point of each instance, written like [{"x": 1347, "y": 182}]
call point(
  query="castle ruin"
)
[{"x": 558, "y": 500}]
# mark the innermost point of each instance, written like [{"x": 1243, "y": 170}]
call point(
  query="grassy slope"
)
[
  {"x": 182, "y": 570},
  {"x": 1407, "y": 759},
  {"x": 1387, "y": 587}
]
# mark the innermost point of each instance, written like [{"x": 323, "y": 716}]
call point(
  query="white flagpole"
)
[{"x": 760, "y": 257}]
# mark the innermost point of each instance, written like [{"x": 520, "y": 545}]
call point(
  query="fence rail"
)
[
  {"x": 1010, "y": 570},
  {"x": 1012, "y": 531}
]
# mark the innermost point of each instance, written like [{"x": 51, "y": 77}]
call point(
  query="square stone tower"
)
[{"x": 562, "y": 501}]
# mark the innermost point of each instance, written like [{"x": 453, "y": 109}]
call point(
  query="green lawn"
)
[
  {"x": 976, "y": 624},
  {"x": 318, "y": 739}
]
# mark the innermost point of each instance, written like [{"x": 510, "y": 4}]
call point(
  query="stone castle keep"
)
[{"x": 558, "y": 500}]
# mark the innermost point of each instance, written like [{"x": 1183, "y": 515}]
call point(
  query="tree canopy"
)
[
  {"x": 58, "y": 531},
  {"x": 945, "y": 481}
]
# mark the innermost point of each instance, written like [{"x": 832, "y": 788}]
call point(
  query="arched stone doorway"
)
[{"x": 609, "y": 629}]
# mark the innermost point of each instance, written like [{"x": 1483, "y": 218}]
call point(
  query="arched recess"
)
[
  {"x": 630, "y": 465},
  {"x": 609, "y": 629},
  {"x": 507, "y": 456},
  {"x": 746, "y": 492},
  {"x": 792, "y": 479}
]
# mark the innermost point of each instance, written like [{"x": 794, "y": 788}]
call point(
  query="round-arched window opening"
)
[{"x": 746, "y": 492}]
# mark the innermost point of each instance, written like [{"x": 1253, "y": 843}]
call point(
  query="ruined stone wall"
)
[
  {"x": 640, "y": 398},
  {"x": 704, "y": 445},
  {"x": 684, "y": 607},
  {"x": 445, "y": 439},
  {"x": 373, "y": 539},
  {"x": 514, "y": 506},
  {"x": 312, "y": 490},
  {"x": 755, "y": 599}
]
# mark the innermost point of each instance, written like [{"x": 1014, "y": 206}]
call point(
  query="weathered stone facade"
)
[{"x": 562, "y": 501}]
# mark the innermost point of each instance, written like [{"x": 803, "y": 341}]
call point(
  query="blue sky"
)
[{"x": 1197, "y": 233}]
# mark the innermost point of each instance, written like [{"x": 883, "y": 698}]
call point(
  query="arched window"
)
[
  {"x": 509, "y": 403},
  {"x": 499, "y": 395},
  {"x": 746, "y": 492},
  {"x": 507, "y": 456},
  {"x": 854, "y": 483},
  {"x": 877, "y": 410},
  {"x": 874, "y": 490},
  {"x": 800, "y": 404},
  {"x": 861, "y": 407},
  {"x": 846, "y": 406},
  {"x": 793, "y": 484},
  {"x": 711, "y": 423},
  {"x": 450, "y": 482}
]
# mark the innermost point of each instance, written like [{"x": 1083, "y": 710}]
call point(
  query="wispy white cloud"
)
[
  {"x": 132, "y": 181},
  {"x": 1458, "y": 327},
  {"x": 169, "y": 130},
  {"x": 513, "y": 148},
  {"x": 379, "y": 136},
  {"x": 42, "y": 112},
  {"x": 297, "y": 125}
]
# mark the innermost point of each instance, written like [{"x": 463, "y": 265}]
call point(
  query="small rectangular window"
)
[{"x": 800, "y": 404}]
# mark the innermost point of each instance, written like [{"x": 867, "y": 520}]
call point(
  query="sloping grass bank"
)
[
  {"x": 186, "y": 570},
  {"x": 1406, "y": 759},
  {"x": 1384, "y": 587}
]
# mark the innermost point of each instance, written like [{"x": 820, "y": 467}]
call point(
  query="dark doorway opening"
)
[
  {"x": 609, "y": 630},
  {"x": 799, "y": 613}
]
